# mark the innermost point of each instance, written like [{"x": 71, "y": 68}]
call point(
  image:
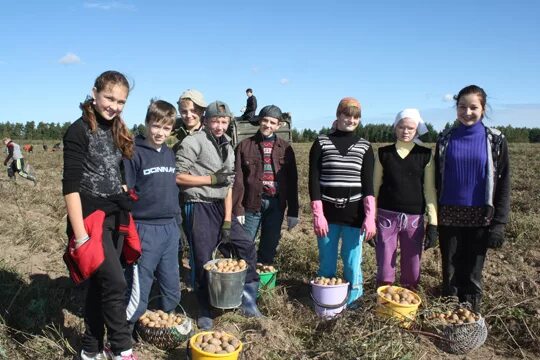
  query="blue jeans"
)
[
  {"x": 269, "y": 220},
  {"x": 351, "y": 254}
]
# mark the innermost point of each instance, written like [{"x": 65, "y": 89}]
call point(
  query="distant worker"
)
[
  {"x": 251, "y": 106},
  {"x": 266, "y": 183},
  {"x": 17, "y": 161}
]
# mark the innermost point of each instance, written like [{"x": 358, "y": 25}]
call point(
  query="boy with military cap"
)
[
  {"x": 205, "y": 165},
  {"x": 266, "y": 183}
]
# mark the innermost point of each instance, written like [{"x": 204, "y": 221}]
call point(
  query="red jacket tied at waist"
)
[{"x": 83, "y": 261}]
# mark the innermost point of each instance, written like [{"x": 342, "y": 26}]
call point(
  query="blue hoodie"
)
[{"x": 152, "y": 174}]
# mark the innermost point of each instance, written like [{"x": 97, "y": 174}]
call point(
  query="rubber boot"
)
[
  {"x": 249, "y": 300},
  {"x": 204, "y": 318}
]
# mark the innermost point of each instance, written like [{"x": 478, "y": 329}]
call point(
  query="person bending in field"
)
[{"x": 15, "y": 161}]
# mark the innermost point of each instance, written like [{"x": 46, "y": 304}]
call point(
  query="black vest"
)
[{"x": 402, "y": 188}]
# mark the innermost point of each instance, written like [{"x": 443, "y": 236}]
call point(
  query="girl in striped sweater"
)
[{"x": 341, "y": 192}]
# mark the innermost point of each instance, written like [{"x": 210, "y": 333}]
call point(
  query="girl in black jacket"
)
[{"x": 93, "y": 149}]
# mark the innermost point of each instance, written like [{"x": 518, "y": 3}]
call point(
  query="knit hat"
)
[
  {"x": 271, "y": 111},
  {"x": 347, "y": 102},
  {"x": 414, "y": 115},
  {"x": 194, "y": 95},
  {"x": 217, "y": 108}
]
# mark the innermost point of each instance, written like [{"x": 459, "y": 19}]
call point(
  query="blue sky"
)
[{"x": 300, "y": 55}]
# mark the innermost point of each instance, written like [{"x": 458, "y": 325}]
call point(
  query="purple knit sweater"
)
[{"x": 466, "y": 165}]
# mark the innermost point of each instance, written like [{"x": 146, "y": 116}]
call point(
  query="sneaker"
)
[
  {"x": 93, "y": 356},
  {"x": 126, "y": 355}
]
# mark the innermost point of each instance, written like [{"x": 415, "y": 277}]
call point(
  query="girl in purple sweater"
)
[{"x": 473, "y": 186}]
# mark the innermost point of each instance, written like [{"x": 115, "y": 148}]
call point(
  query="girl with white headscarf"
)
[{"x": 404, "y": 184}]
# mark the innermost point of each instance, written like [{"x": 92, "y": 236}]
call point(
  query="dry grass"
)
[{"x": 40, "y": 310}]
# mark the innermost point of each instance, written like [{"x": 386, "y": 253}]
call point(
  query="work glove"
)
[
  {"x": 432, "y": 237},
  {"x": 241, "y": 219},
  {"x": 226, "y": 232},
  {"x": 368, "y": 226},
  {"x": 495, "y": 236},
  {"x": 291, "y": 222},
  {"x": 221, "y": 177},
  {"x": 320, "y": 225},
  {"x": 373, "y": 241}
]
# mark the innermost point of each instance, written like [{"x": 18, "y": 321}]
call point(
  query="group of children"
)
[{"x": 145, "y": 194}]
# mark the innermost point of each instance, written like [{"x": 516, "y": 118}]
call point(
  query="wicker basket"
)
[
  {"x": 166, "y": 338},
  {"x": 464, "y": 338}
]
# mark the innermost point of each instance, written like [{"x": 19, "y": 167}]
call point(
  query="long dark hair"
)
[
  {"x": 473, "y": 89},
  {"x": 122, "y": 137}
]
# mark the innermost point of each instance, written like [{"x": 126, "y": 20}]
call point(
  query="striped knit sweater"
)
[{"x": 341, "y": 174}]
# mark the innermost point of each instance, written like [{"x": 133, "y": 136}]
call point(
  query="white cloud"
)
[
  {"x": 255, "y": 69},
  {"x": 284, "y": 81},
  {"x": 448, "y": 98},
  {"x": 70, "y": 58},
  {"x": 110, "y": 5}
]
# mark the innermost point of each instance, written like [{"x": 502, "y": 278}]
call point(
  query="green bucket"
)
[{"x": 267, "y": 281}]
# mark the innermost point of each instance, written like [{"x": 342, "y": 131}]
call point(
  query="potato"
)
[
  {"x": 214, "y": 341},
  {"x": 207, "y": 337},
  {"x": 230, "y": 348},
  {"x": 235, "y": 342},
  {"x": 210, "y": 349}
]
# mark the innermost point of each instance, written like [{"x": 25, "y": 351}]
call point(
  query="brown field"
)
[{"x": 40, "y": 309}]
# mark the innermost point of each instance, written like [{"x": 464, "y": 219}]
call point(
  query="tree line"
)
[{"x": 377, "y": 133}]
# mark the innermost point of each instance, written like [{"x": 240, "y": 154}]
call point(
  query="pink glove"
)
[
  {"x": 368, "y": 226},
  {"x": 320, "y": 225}
]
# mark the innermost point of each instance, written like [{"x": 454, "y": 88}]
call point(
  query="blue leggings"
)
[{"x": 351, "y": 254}]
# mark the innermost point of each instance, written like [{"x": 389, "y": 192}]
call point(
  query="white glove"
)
[
  {"x": 241, "y": 219},
  {"x": 291, "y": 222}
]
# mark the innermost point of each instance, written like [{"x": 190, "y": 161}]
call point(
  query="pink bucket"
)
[{"x": 329, "y": 300}]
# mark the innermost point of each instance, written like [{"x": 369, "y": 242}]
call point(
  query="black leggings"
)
[
  {"x": 106, "y": 298},
  {"x": 463, "y": 251}
]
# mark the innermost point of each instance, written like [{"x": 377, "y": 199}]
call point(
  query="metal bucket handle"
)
[
  {"x": 234, "y": 250},
  {"x": 331, "y": 306}
]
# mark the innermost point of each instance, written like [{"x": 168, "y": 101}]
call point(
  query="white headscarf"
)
[{"x": 414, "y": 115}]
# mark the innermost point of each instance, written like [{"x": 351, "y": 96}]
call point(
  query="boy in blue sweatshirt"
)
[{"x": 151, "y": 174}]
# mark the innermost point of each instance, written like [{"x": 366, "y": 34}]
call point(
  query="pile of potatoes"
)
[
  {"x": 217, "y": 342},
  {"x": 457, "y": 317},
  {"x": 261, "y": 268},
  {"x": 321, "y": 280},
  {"x": 160, "y": 319},
  {"x": 226, "y": 266},
  {"x": 400, "y": 296}
]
